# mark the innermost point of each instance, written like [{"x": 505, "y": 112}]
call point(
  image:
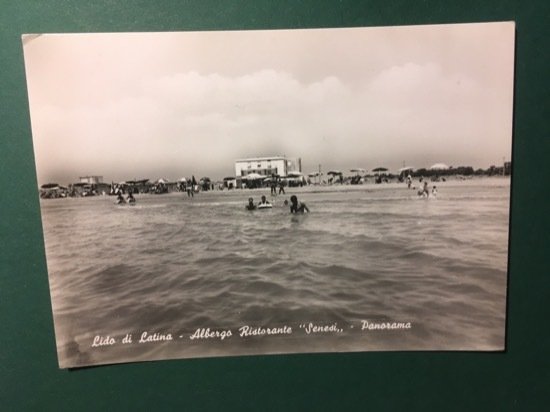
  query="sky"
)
[{"x": 168, "y": 105}]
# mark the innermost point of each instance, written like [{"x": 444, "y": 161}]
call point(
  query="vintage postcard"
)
[{"x": 287, "y": 191}]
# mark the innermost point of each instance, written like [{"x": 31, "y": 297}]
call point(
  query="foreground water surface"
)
[{"x": 376, "y": 254}]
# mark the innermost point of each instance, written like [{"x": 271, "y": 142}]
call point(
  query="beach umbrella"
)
[
  {"x": 183, "y": 179},
  {"x": 294, "y": 174},
  {"x": 405, "y": 169},
  {"x": 379, "y": 169},
  {"x": 253, "y": 176},
  {"x": 229, "y": 178},
  {"x": 358, "y": 170},
  {"x": 162, "y": 181},
  {"x": 439, "y": 166},
  {"x": 314, "y": 174},
  {"x": 334, "y": 172},
  {"x": 49, "y": 186}
]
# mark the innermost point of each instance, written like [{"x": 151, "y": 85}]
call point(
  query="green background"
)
[{"x": 515, "y": 380}]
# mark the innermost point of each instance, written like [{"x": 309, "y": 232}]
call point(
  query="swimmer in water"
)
[
  {"x": 250, "y": 205},
  {"x": 297, "y": 207},
  {"x": 263, "y": 201},
  {"x": 434, "y": 190}
]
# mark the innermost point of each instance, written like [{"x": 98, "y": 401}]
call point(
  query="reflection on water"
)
[{"x": 175, "y": 264}]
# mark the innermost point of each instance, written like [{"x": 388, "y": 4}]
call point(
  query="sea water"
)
[{"x": 365, "y": 255}]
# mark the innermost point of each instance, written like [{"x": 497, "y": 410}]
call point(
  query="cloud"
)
[{"x": 200, "y": 122}]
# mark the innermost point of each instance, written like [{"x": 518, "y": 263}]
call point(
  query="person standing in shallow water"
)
[
  {"x": 297, "y": 207},
  {"x": 281, "y": 187},
  {"x": 120, "y": 198},
  {"x": 273, "y": 185},
  {"x": 424, "y": 191}
]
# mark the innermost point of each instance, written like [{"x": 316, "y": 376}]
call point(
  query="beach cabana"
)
[
  {"x": 314, "y": 175},
  {"x": 230, "y": 182},
  {"x": 336, "y": 174},
  {"x": 136, "y": 185}
]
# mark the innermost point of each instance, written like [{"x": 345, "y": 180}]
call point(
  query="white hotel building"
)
[{"x": 266, "y": 166}]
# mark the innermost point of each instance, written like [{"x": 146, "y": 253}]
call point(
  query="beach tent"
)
[
  {"x": 183, "y": 179},
  {"x": 439, "y": 166},
  {"x": 161, "y": 181}
]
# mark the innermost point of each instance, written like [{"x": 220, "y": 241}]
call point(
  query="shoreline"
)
[{"x": 312, "y": 189}]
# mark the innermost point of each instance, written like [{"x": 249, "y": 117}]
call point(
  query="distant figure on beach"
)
[
  {"x": 297, "y": 207},
  {"x": 189, "y": 187},
  {"x": 120, "y": 199},
  {"x": 263, "y": 201},
  {"x": 251, "y": 205},
  {"x": 409, "y": 181},
  {"x": 286, "y": 202},
  {"x": 131, "y": 198},
  {"x": 434, "y": 191}
]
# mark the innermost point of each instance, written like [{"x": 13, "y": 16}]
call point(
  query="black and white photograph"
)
[{"x": 229, "y": 193}]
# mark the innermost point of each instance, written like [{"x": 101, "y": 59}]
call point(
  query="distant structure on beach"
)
[
  {"x": 92, "y": 180},
  {"x": 267, "y": 166}
]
